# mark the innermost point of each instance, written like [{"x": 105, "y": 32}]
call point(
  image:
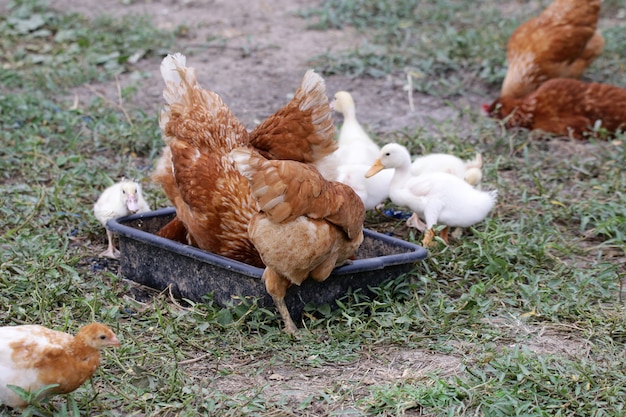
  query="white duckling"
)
[
  {"x": 437, "y": 197},
  {"x": 470, "y": 170},
  {"x": 355, "y": 154},
  {"x": 355, "y": 145},
  {"x": 121, "y": 199}
]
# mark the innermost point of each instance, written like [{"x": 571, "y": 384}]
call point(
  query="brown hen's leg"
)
[
  {"x": 277, "y": 286},
  {"x": 175, "y": 230}
]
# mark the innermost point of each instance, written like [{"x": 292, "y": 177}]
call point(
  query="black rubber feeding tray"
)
[{"x": 193, "y": 273}]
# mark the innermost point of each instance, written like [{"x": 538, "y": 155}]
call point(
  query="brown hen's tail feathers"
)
[
  {"x": 177, "y": 76},
  {"x": 302, "y": 130}
]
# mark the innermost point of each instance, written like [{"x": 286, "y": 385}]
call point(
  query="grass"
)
[{"x": 524, "y": 315}]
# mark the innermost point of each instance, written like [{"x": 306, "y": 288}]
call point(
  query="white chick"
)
[
  {"x": 121, "y": 199},
  {"x": 470, "y": 171}
]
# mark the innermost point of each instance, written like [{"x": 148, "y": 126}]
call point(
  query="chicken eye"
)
[
  {"x": 123, "y": 191},
  {"x": 102, "y": 337}
]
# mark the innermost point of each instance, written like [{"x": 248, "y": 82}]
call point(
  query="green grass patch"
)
[
  {"x": 46, "y": 50},
  {"x": 527, "y": 301}
]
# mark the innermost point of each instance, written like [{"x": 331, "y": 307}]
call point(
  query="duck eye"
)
[
  {"x": 387, "y": 154},
  {"x": 123, "y": 191}
]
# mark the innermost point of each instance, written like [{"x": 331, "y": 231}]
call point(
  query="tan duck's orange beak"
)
[{"x": 374, "y": 169}]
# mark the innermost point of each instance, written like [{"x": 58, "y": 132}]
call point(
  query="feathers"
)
[
  {"x": 566, "y": 107},
  {"x": 120, "y": 199},
  {"x": 33, "y": 356}
]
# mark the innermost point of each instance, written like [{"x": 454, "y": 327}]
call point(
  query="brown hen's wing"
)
[
  {"x": 303, "y": 130},
  {"x": 286, "y": 190}
]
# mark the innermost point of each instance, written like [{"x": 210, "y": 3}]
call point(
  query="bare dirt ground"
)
[{"x": 266, "y": 52}]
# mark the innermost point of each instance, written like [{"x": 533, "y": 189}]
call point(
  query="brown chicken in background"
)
[
  {"x": 566, "y": 107},
  {"x": 305, "y": 226},
  {"x": 559, "y": 43},
  {"x": 213, "y": 201}
]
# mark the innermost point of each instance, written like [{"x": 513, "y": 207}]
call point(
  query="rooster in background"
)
[
  {"x": 559, "y": 43},
  {"x": 565, "y": 107},
  {"x": 305, "y": 226},
  {"x": 214, "y": 203}
]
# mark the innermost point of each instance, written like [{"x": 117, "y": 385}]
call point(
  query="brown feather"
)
[
  {"x": 303, "y": 130},
  {"x": 565, "y": 107}
]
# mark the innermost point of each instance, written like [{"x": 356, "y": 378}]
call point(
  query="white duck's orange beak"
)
[{"x": 374, "y": 169}]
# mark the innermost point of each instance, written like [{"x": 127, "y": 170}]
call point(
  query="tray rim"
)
[{"x": 414, "y": 252}]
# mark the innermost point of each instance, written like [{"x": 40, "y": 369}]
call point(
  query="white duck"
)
[
  {"x": 437, "y": 197},
  {"x": 470, "y": 170},
  {"x": 355, "y": 154},
  {"x": 355, "y": 145},
  {"x": 121, "y": 199}
]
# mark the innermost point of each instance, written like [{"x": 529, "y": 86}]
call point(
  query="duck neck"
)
[{"x": 401, "y": 174}]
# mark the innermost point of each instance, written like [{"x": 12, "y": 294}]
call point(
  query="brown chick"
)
[
  {"x": 559, "y": 43},
  {"x": 306, "y": 225},
  {"x": 213, "y": 201},
  {"x": 565, "y": 107},
  {"x": 34, "y": 356}
]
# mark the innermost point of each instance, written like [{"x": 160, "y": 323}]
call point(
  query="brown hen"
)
[
  {"x": 213, "y": 201},
  {"x": 559, "y": 43},
  {"x": 306, "y": 225},
  {"x": 566, "y": 107}
]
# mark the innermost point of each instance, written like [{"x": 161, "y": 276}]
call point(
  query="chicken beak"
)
[
  {"x": 132, "y": 203},
  {"x": 374, "y": 169},
  {"x": 115, "y": 342}
]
